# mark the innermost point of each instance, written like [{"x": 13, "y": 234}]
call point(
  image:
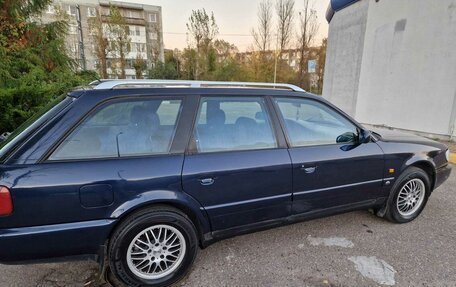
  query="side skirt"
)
[{"x": 214, "y": 236}]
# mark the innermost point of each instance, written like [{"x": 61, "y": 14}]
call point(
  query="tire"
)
[
  {"x": 408, "y": 199},
  {"x": 129, "y": 247}
]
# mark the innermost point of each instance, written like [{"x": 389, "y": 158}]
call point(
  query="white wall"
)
[
  {"x": 344, "y": 56},
  {"x": 407, "y": 77},
  {"x": 408, "y": 74}
]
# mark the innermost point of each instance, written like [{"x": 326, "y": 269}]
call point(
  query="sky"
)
[{"x": 235, "y": 19}]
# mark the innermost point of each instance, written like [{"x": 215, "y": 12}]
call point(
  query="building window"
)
[
  {"x": 73, "y": 47},
  {"x": 50, "y": 9},
  {"x": 153, "y": 35},
  {"x": 153, "y": 18},
  {"x": 132, "y": 14},
  {"x": 138, "y": 31},
  {"x": 91, "y": 12},
  {"x": 129, "y": 64},
  {"x": 71, "y": 10},
  {"x": 106, "y": 11},
  {"x": 140, "y": 47},
  {"x": 73, "y": 29}
]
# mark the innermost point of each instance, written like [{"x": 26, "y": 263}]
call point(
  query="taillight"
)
[{"x": 6, "y": 202}]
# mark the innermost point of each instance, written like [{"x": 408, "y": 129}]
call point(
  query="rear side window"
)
[
  {"x": 22, "y": 133},
  {"x": 229, "y": 124},
  {"x": 128, "y": 128}
]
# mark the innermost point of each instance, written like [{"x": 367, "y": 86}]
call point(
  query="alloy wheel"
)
[
  {"x": 156, "y": 252},
  {"x": 410, "y": 197}
]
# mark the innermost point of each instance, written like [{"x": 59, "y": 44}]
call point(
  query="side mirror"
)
[{"x": 364, "y": 136}]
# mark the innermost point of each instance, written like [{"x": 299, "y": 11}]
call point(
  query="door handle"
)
[
  {"x": 309, "y": 169},
  {"x": 206, "y": 181}
]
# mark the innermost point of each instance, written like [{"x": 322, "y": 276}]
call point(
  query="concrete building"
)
[
  {"x": 145, "y": 31},
  {"x": 393, "y": 63}
]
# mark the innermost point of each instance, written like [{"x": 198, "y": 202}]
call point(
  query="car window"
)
[
  {"x": 310, "y": 122},
  {"x": 128, "y": 128},
  {"x": 15, "y": 139},
  {"x": 229, "y": 123}
]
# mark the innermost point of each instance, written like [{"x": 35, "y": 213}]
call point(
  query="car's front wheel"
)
[
  {"x": 409, "y": 196},
  {"x": 154, "y": 247}
]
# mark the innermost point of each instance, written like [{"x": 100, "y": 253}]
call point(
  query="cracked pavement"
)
[{"x": 310, "y": 253}]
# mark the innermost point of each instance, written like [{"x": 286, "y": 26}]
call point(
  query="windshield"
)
[{"x": 19, "y": 135}]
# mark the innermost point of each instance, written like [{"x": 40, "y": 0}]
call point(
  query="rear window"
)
[{"x": 15, "y": 139}]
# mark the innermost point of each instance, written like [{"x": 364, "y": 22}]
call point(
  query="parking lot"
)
[{"x": 352, "y": 249}]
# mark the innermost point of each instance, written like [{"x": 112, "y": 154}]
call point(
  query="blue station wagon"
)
[{"x": 139, "y": 174}]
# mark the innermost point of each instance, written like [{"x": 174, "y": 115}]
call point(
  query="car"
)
[{"x": 140, "y": 174}]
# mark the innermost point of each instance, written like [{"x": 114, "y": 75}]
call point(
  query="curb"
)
[{"x": 452, "y": 158}]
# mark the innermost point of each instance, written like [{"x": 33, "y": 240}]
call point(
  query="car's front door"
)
[
  {"x": 331, "y": 169},
  {"x": 239, "y": 169}
]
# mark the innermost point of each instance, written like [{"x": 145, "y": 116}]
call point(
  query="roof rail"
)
[{"x": 111, "y": 84}]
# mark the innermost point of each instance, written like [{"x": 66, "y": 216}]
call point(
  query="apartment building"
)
[{"x": 145, "y": 32}]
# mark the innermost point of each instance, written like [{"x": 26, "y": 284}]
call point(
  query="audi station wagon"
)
[{"x": 140, "y": 174}]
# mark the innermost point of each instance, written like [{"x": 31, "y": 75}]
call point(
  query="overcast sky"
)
[{"x": 235, "y": 19}]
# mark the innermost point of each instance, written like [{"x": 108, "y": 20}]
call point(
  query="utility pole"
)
[{"x": 80, "y": 39}]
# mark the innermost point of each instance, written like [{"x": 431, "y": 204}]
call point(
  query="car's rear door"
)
[
  {"x": 238, "y": 168},
  {"x": 331, "y": 170}
]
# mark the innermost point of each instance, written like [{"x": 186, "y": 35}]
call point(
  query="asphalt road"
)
[{"x": 352, "y": 249}]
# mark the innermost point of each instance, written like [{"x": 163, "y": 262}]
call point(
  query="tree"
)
[
  {"x": 163, "y": 71},
  {"x": 189, "y": 65},
  {"x": 100, "y": 42},
  {"x": 203, "y": 29},
  {"x": 262, "y": 37},
  {"x": 307, "y": 33},
  {"x": 224, "y": 50},
  {"x": 155, "y": 47},
  {"x": 285, "y": 11},
  {"x": 321, "y": 59},
  {"x": 172, "y": 57},
  {"x": 119, "y": 34},
  {"x": 259, "y": 66},
  {"x": 140, "y": 66},
  {"x": 14, "y": 28},
  {"x": 34, "y": 67}
]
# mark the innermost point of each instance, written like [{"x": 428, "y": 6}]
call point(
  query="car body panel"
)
[
  {"x": 249, "y": 186},
  {"x": 338, "y": 176},
  {"x": 53, "y": 241},
  {"x": 49, "y": 193}
]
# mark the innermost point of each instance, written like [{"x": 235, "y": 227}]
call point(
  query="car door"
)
[
  {"x": 239, "y": 168},
  {"x": 331, "y": 170}
]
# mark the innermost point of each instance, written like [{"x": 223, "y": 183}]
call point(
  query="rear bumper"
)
[
  {"x": 441, "y": 175},
  {"x": 53, "y": 241}
]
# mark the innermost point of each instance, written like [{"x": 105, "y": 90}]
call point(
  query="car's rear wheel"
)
[
  {"x": 408, "y": 196},
  {"x": 154, "y": 247}
]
